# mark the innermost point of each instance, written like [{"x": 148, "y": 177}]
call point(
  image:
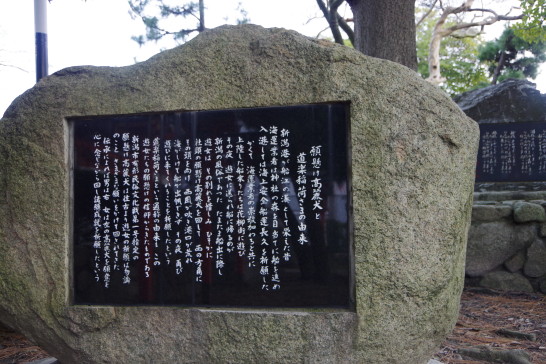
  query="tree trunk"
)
[
  {"x": 434, "y": 72},
  {"x": 201, "y": 15},
  {"x": 499, "y": 67},
  {"x": 330, "y": 14},
  {"x": 502, "y": 59},
  {"x": 386, "y": 29}
]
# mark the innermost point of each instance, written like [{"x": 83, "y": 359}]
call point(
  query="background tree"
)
[
  {"x": 459, "y": 61},
  {"x": 164, "y": 18},
  {"x": 510, "y": 56},
  {"x": 385, "y": 29},
  {"x": 462, "y": 20},
  {"x": 336, "y": 21},
  {"x": 151, "y": 12},
  {"x": 532, "y": 27}
]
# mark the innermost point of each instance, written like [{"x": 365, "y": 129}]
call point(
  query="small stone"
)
[
  {"x": 506, "y": 281},
  {"x": 516, "y": 356},
  {"x": 516, "y": 334},
  {"x": 516, "y": 262},
  {"x": 535, "y": 266},
  {"x": 490, "y": 212},
  {"x": 434, "y": 361},
  {"x": 528, "y": 212}
]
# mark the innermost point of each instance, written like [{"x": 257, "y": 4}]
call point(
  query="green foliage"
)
[
  {"x": 458, "y": 58},
  {"x": 511, "y": 56},
  {"x": 532, "y": 28},
  {"x": 164, "y": 18},
  {"x": 154, "y": 12},
  {"x": 244, "y": 19}
]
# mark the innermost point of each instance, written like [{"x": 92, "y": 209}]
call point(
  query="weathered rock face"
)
[
  {"x": 504, "y": 238},
  {"x": 535, "y": 266},
  {"x": 509, "y": 101},
  {"x": 516, "y": 262},
  {"x": 505, "y": 281},
  {"x": 528, "y": 212},
  {"x": 492, "y": 243},
  {"x": 487, "y": 213},
  {"x": 413, "y": 155}
]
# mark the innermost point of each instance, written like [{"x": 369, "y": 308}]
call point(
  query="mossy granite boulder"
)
[{"x": 413, "y": 155}]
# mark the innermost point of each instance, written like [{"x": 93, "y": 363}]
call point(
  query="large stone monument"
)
[{"x": 253, "y": 196}]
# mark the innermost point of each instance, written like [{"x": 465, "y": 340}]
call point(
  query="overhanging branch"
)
[
  {"x": 346, "y": 28},
  {"x": 426, "y": 14}
]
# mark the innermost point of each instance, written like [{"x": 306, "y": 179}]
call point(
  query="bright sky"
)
[{"x": 98, "y": 32}]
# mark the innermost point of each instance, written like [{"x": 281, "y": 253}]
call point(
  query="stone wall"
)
[
  {"x": 507, "y": 246},
  {"x": 506, "y": 243}
]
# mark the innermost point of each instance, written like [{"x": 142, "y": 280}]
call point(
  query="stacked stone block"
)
[{"x": 507, "y": 245}]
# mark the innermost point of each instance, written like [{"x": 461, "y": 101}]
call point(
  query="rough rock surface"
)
[
  {"x": 413, "y": 155},
  {"x": 516, "y": 262},
  {"x": 490, "y": 212},
  {"x": 507, "y": 235},
  {"x": 509, "y": 101},
  {"x": 542, "y": 285},
  {"x": 509, "y": 195},
  {"x": 528, "y": 212},
  {"x": 505, "y": 281},
  {"x": 535, "y": 266},
  {"x": 492, "y": 243},
  {"x": 542, "y": 230}
]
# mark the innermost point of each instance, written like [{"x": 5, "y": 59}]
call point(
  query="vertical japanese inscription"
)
[
  {"x": 511, "y": 152},
  {"x": 191, "y": 208}
]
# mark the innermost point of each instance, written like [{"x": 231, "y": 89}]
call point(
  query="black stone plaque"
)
[
  {"x": 512, "y": 152},
  {"x": 245, "y": 207}
]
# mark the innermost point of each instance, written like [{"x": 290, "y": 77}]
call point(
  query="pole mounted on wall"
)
[{"x": 40, "y": 26}]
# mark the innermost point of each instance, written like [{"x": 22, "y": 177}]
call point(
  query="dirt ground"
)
[{"x": 483, "y": 314}]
